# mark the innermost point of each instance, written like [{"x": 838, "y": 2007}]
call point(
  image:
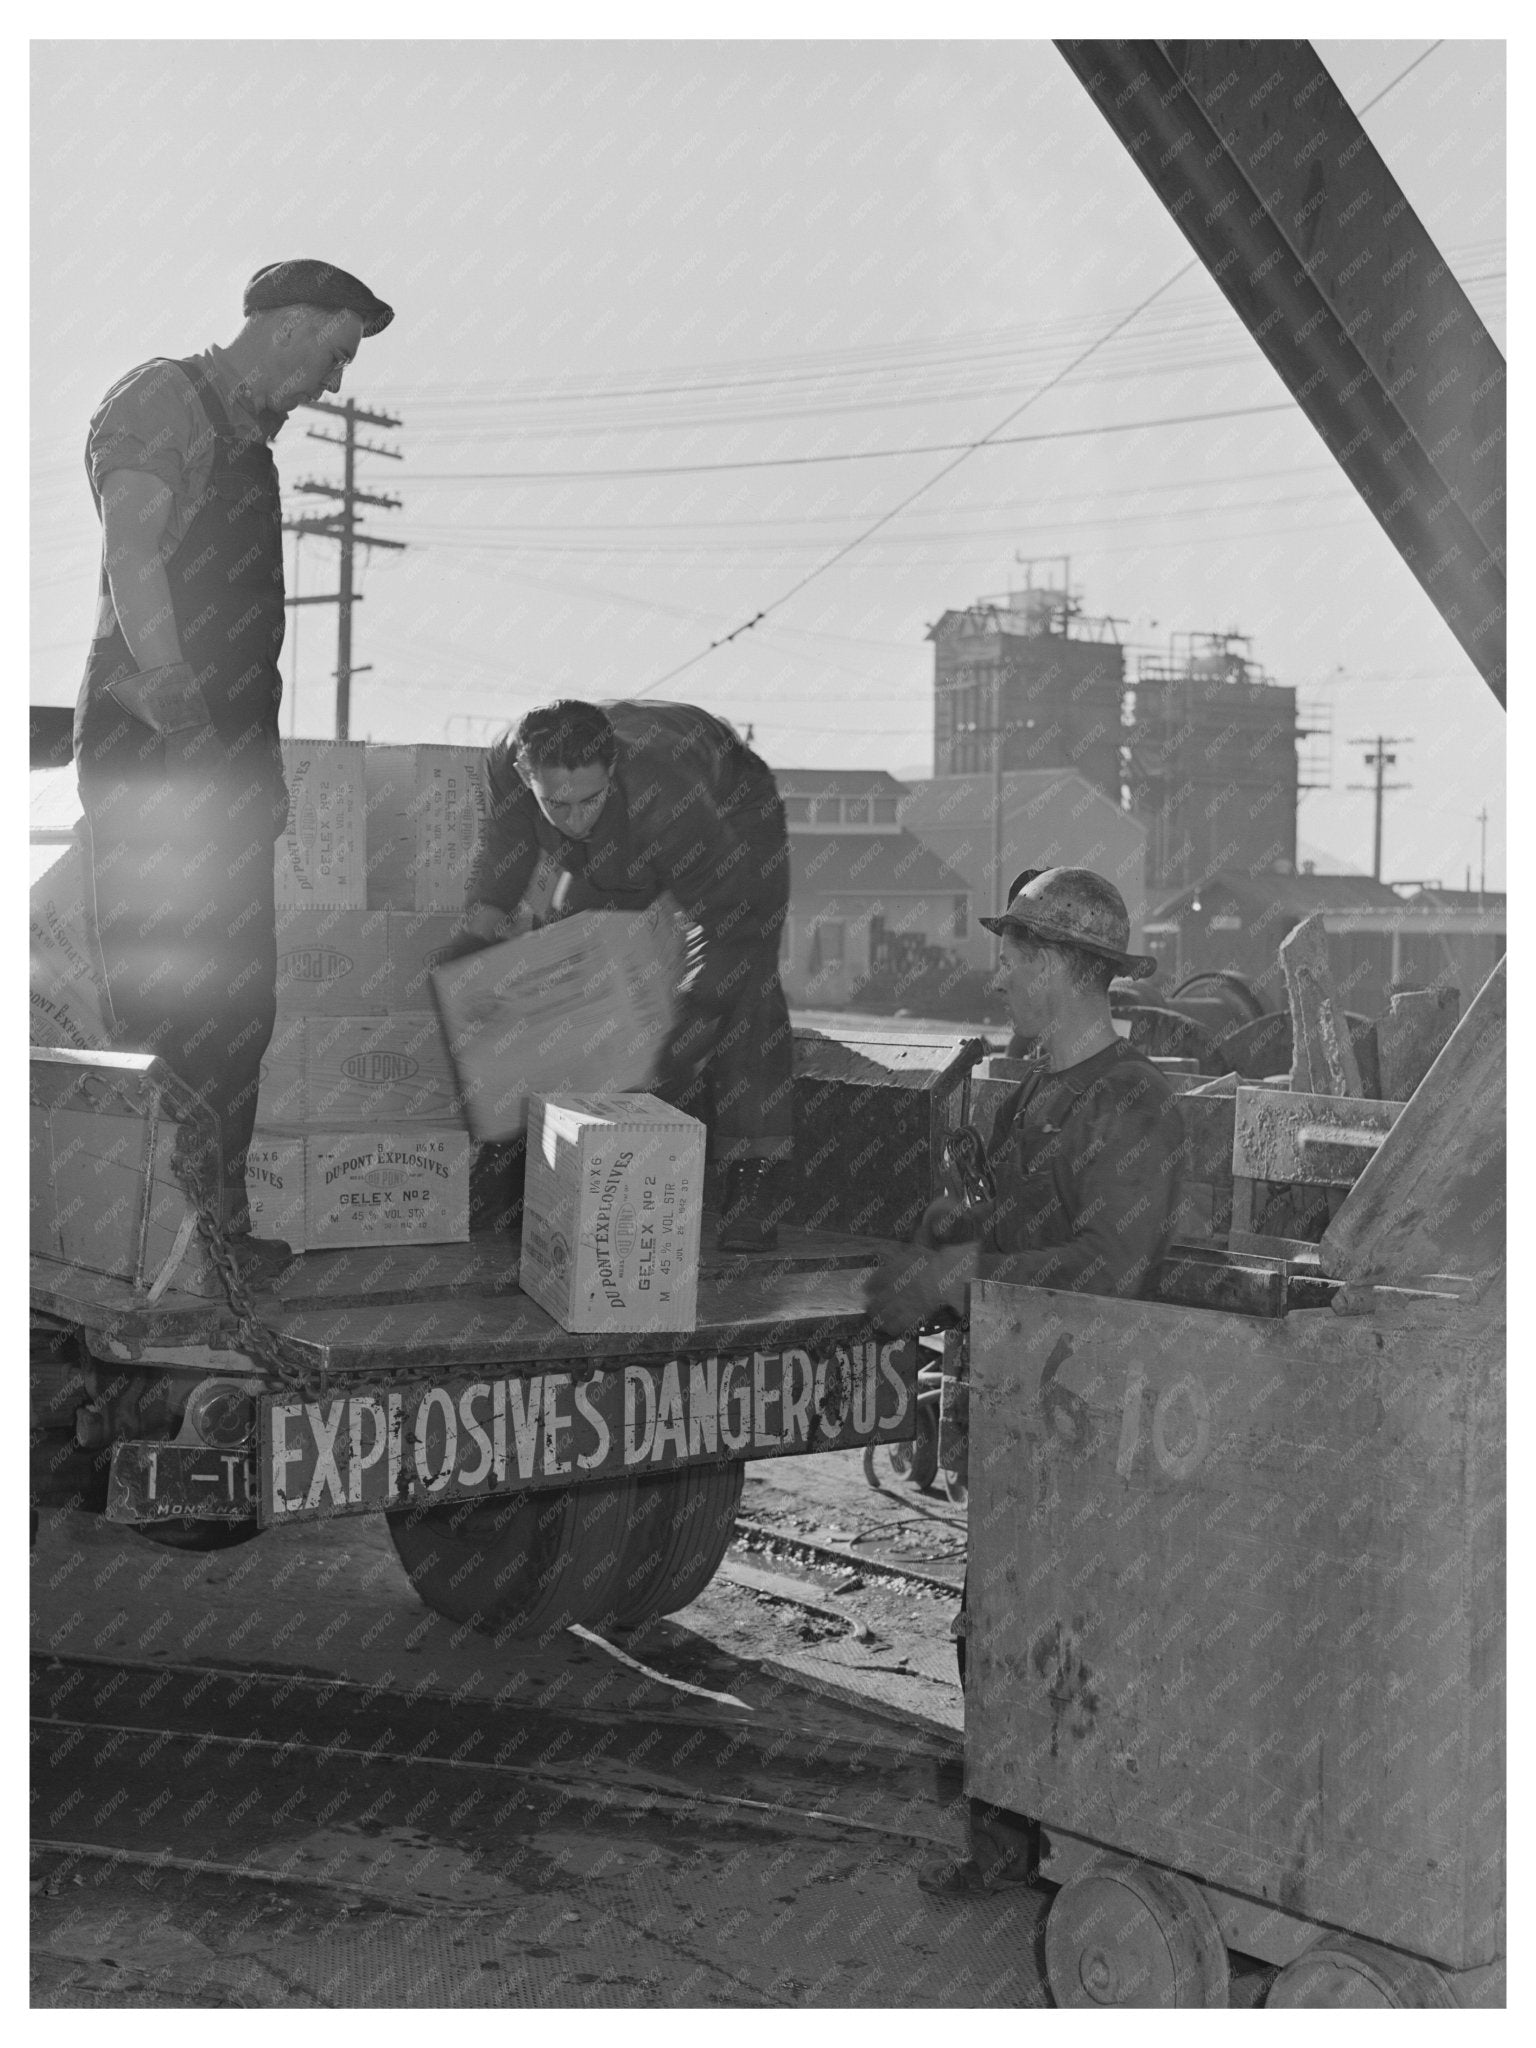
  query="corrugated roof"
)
[{"x": 869, "y": 864}]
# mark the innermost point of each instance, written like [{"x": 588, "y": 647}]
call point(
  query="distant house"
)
[
  {"x": 1051, "y": 817},
  {"x": 1378, "y": 939},
  {"x": 857, "y": 880}
]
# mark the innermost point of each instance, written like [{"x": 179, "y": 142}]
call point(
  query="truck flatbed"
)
[{"x": 418, "y": 1307}]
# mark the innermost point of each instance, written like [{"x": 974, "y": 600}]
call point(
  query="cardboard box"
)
[
  {"x": 404, "y": 1186},
  {"x": 334, "y": 962},
  {"x": 612, "y": 1202},
  {"x": 66, "y": 1006},
  {"x": 274, "y": 1183},
  {"x": 424, "y": 809},
  {"x": 379, "y": 1071},
  {"x": 417, "y": 940},
  {"x": 280, "y": 1090},
  {"x": 586, "y": 1003},
  {"x": 320, "y": 859}
]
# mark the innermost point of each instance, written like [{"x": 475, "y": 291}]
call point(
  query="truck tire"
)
[
  {"x": 185, "y": 1532},
  {"x": 524, "y": 1565},
  {"x": 680, "y": 1528}
]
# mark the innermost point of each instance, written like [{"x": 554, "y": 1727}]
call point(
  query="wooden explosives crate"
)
[
  {"x": 418, "y": 941},
  {"x": 105, "y": 1195},
  {"x": 408, "y": 1185},
  {"x": 424, "y": 810},
  {"x": 324, "y": 1188},
  {"x": 1236, "y": 1605},
  {"x": 611, "y": 1213},
  {"x": 274, "y": 1185},
  {"x": 379, "y": 1070},
  {"x": 586, "y": 1004},
  {"x": 65, "y": 1006},
  {"x": 333, "y": 962},
  {"x": 870, "y": 1116},
  {"x": 321, "y": 859}
]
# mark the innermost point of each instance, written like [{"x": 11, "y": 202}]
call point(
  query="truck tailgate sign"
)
[{"x": 473, "y": 1435}]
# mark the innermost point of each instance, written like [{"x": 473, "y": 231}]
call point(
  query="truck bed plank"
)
[{"x": 419, "y": 1306}]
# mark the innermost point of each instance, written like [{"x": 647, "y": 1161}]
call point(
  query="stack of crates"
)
[{"x": 360, "y": 1132}]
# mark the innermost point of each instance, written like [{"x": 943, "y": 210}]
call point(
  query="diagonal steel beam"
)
[{"x": 1261, "y": 161}]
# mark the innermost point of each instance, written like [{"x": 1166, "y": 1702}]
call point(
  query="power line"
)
[
  {"x": 963, "y": 449},
  {"x": 1103, "y": 340}
]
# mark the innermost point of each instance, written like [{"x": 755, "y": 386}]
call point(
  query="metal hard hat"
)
[{"x": 1074, "y": 907}]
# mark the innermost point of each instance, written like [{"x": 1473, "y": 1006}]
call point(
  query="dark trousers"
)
[
  {"x": 731, "y": 1060},
  {"x": 183, "y": 908}
]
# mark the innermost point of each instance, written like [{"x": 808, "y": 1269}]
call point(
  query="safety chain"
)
[{"x": 193, "y": 1154}]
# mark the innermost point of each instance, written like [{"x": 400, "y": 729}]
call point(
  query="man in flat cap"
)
[
  {"x": 176, "y": 733},
  {"x": 611, "y": 807},
  {"x": 1085, "y": 1157}
]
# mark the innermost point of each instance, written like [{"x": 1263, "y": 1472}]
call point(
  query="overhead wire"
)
[{"x": 947, "y": 468}]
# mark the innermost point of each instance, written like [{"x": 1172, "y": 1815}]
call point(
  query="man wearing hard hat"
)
[{"x": 1085, "y": 1157}]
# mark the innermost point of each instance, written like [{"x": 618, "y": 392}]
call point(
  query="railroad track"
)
[
  {"x": 249, "y": 1791},
  {"x": 99, "y": 1708}
]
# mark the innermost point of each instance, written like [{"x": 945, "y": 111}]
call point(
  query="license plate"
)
[
  {"x": 160, "y": 1482},
  {"x": 477, "y": 1434}
]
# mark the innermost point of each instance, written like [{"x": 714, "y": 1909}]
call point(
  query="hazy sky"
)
[{"x": 639, "y": 287}]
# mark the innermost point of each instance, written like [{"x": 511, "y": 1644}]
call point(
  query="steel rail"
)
[{"x": 645, "y": 1796}]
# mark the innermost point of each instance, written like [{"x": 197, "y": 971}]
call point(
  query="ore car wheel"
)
[
  {"x": 1127, "y": 1934},
  {"x": 528, "y": 1565},
  {"x": 680, "y": 1528},
  {"x": 1342, "y": 1970},
  {"x": 184, "y": 1532}
]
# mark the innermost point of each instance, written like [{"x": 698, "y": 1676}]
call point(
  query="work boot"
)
[
  {"x": 746, "y": 1222},
  {"x": 261, "y": 1260},
  {"x": 1004, "y": 1851}
]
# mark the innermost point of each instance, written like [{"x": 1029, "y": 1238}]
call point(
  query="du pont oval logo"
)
[
  {"x": 315, "y": 964},
  {"x": 379, "y": 1065},
  {"x": 625, "y": 1235}
]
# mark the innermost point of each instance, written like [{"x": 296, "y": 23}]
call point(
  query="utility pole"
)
[
  {"x": 342, "y": 526},
  {"x": 1381, "y": 761},
  {"x": 1482, "y": 858}
]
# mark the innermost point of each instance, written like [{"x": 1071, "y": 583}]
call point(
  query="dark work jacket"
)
[
  {"x": 1088, "y": 1163},
  {"x": 691, "y": 810},
  {"x": 226, "y": 585}
]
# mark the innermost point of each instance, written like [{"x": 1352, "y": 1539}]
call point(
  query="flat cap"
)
[{"x": 306, "y": 281}]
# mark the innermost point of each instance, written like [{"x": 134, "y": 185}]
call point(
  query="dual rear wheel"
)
[{"x": 609, "y": 1554}]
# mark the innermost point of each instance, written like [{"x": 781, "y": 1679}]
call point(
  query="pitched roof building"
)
[{"x": 859, "y": 883}]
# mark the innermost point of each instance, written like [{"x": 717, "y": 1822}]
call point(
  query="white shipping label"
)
[{"x": 611, "y": 1215}]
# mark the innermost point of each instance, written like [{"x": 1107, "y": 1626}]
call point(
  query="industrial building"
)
[{"x": 1201, "y": 744}]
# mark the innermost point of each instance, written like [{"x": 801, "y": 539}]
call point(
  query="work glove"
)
[{"x": 168, "y": 699}]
